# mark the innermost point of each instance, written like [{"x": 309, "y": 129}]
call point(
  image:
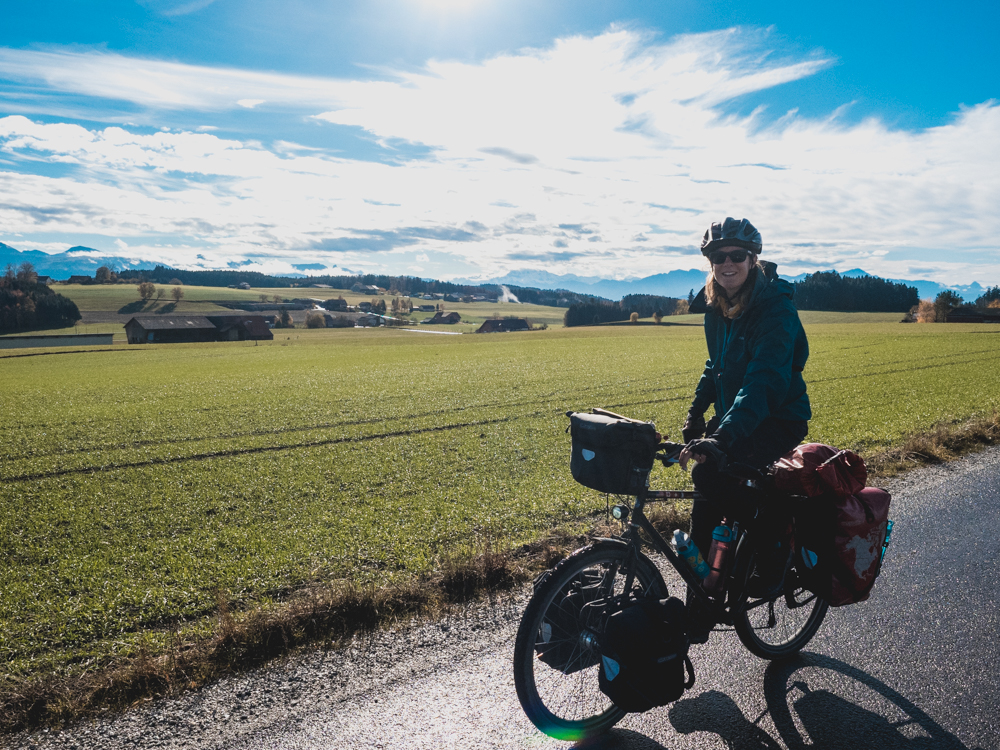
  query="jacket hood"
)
[{"x": 767, "y": 286}]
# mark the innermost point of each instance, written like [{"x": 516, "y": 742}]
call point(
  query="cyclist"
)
[{"x": 756, "y": 352}]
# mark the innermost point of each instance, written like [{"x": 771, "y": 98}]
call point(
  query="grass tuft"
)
[{"x": 944, "y": 442}]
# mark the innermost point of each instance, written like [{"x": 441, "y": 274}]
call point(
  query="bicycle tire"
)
[
  {"x": 786, "y": 630},
  {"x": 571, "y": 707}
]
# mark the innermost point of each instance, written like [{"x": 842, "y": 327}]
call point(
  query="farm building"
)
[
  {"x": 443, "y": 317},
  {"x": 79, "y": 280},
  {"x": 163, "y": 329},
  {"x": 965, "y": 315},
  {"x": 504, "y": 325}
]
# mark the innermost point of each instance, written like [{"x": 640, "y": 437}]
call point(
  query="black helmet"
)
[{"x": 731, "y": 233}]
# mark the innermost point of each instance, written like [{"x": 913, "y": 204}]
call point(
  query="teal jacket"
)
[{"x": 755, "y": 362}]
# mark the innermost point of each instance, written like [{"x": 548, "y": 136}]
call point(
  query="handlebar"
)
[{"x": 669, "y": 454}]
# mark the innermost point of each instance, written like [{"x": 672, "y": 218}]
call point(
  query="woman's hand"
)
[
  {"x": 703, "y": 450},
  {"x": 686, "y": 455}
]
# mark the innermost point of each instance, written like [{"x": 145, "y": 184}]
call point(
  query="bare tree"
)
[
  {"x": 262, "y": 297},
  {"x": 159, "y": 293},
  {"x": 146, "y": 290},
  {"x": 276, "y": 299},
  {"x": 177, "y": 293},
  {"x": 26, "y": 273}
]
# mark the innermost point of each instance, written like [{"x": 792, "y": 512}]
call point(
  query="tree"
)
[
  {"x": 315, "y": 319},
  {"x": 944, "y": 303},
  {"x": 989, "y": 298},
  {"x": 102, "y": 275},
  {"x": 146, "y": 290},
  {"x": 276, "y": 299},
  {"x": 925, "y": 311},
  {"x": 159, "y": 293},
  {"x": 26, "y": 273},
  {"x": 177, "y": 293},
  {"x": 284, "y": 320},
  {"x": 263, "y": 297},
  {"x": 658, "y": 316},
  {"x": 176, "y": 282},
  {"x": 633, "y": 318},
  {"x": 378, "y": 306},
  {"x": 28, "y": 304}
]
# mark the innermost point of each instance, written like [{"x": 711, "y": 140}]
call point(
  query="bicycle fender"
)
[{"x": 596, "y": 544}]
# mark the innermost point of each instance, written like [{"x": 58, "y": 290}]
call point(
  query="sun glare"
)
[{"x": 445, "y": 5}]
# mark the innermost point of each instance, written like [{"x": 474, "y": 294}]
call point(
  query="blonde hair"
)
[{"x": 717, "y": 297}]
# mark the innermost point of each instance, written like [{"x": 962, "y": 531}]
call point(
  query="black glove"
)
[
  {"x": 694, "y": 427},
  {"x": 712, "y": 448}
]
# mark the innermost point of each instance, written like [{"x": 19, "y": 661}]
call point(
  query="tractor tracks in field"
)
[
  {"x": 209, "y": 455},
  {"x": 255, "y": 450},
  {"x": 544, "y": 401}
]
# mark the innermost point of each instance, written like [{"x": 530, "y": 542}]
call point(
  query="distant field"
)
[
  {"x": 137, "y": 481},
  {"x": 124, "y": 299}
]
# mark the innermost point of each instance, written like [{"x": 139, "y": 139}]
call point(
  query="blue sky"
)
[{"x": 471, "y": 137}]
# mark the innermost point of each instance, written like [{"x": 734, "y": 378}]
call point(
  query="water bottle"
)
[
  {"x": 718, "y": 555},
  {"x": 687, "y": 549},
  {"x": 888, "y": 535}
]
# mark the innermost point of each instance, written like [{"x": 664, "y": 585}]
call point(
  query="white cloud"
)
[
  {"x": 249, "y": 103},
  {"x": 604, "y": 155}
]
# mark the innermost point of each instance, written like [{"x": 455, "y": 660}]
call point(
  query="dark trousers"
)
[{"x": 721, "y": 495}]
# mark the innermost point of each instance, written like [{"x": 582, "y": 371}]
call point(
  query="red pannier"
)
[{"x": 840, "y": 532}]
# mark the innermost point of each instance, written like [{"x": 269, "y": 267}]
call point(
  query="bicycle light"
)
[{"x": 620, "y": 512}]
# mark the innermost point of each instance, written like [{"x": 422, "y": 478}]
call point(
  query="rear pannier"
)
[
  {"x": 841, "y": 526},
  {"x": 612, "y": 454}
]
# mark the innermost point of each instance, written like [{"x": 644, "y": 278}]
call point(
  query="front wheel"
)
[
  {"x": 780, "y": 626},
  {"x": 556, "y": 652}
]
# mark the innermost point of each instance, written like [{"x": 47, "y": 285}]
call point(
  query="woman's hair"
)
[{"x": 716, "y": 296}]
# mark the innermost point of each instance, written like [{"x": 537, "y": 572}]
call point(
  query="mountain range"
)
[
  {"x": 85, "y": 260},
  {"x": 680, "y": 283}
]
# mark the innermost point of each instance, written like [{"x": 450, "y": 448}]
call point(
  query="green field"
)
[{"x": 139, "y": 481}]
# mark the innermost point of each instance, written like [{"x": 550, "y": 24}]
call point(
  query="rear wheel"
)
[
  {"x": 556, "y": 652},
  {"x": 781, "y": 625}
]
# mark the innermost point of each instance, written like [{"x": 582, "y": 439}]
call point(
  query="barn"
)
[
  {"x": 504, "y": 325},
  {"x": 171, "y": 329}
]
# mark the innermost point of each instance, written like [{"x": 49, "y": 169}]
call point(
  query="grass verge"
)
[{"x": 331, "y": 614}]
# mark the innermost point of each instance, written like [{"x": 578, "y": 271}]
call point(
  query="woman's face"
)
[{"x": 729, "y": 275}]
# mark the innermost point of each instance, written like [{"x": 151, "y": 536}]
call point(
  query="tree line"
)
[
  {"x": 596, "y": 311},
  {"x": 25, "y": 304},
  {"x": 828, "y": 290}
]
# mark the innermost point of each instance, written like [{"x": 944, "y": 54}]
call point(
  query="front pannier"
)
[
  {"x": 644, "y": 655},
  {"x": 612, "y": 455}
]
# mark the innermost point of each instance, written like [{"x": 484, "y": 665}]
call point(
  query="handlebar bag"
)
[
  {"x": 644, "y": 655},
  {"x": 611, "y": 455},
  {"x": 559, "y": 643},
  {"x": 840, "y": 541}
]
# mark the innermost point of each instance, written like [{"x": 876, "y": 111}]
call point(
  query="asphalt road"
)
[{"x": 915, "y": 667}]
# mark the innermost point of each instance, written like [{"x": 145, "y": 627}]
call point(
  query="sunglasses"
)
[{"x": 718, "y": 257}]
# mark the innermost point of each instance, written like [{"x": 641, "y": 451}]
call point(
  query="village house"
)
[{"x": 443, "y": 317}]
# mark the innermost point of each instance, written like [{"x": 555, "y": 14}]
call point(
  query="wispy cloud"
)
[{"x": 571, "y": 157}]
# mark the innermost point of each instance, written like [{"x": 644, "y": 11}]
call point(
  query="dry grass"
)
[
  {"x": 327, "y": 615},
  {"x": 333, "y": 613},
  {"x": 945, "y": 442}
]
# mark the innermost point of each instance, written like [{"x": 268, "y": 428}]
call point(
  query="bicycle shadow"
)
[
  {"x": 829, "y": 720},
  {"x": 803, "y": 716}
]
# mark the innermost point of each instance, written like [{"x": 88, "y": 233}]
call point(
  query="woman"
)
[{"x": 756, "y": 352}]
